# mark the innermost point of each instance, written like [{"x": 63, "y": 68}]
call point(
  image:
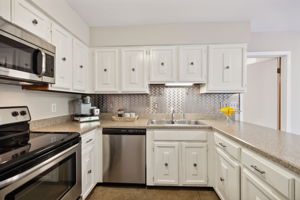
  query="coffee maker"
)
[{"x": 84, "y": 111}]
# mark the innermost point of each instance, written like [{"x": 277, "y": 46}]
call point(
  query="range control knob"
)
[
  {"x": 23, "y": 112},
  {"x": 15, "y": 114}
]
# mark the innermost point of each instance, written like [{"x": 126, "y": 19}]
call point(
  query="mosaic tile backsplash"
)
[{"x": 162, "y": 99}]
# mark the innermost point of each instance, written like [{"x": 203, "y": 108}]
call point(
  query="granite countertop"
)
[{"x": 281, "y": 147}]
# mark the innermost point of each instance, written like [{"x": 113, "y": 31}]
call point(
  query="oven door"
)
[
  {"x": 56, "y": 178},
  {"x": 21, "y": 60}
]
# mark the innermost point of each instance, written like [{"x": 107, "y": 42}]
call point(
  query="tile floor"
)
[{"x": 139, "y": 193}]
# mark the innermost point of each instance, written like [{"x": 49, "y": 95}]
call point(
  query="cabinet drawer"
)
[
  {"x": 228, "y": 146},
  {"x": 88, "y": 138},
  {"x": 276, "y": 176},
  {"x": 183, "y": 135}
]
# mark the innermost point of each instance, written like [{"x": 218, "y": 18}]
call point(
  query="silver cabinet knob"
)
[
  {"x": 81, "y": 66},
  {"x": 64, "y": 58},
  {"x": 192, "y": 63},
  {"x": 162, "y": 63},
  {"x": 90, "y": 171},
  {"x": 166, "y": 164},
  {"x": 35, "y": 21},
  {"x": 227, "y": 67},
  {"x": 195, "y": 164},
  {"x": 221, "y": 179},
  {"x": 133, "y": 69},
  {"x": 105, "y": 69}
]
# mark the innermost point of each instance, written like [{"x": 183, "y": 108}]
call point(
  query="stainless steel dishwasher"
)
[{"x": 124, "y": 153}]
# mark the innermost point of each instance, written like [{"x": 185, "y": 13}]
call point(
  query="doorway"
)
[{"x": 266, "y": 102}]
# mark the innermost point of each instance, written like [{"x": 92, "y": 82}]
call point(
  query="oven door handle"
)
[{"x": 22, "y": 175}]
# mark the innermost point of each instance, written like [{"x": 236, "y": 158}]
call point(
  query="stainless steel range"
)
[{"x": 36, "y": 165}]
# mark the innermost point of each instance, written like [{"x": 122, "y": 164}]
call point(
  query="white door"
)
[
  {"x": 254, "y": 188},
  {"x": 192, "y": 64},
  {"x": 260, "y": 102},
  {"x": 106, "y": 70},
  {"x": 163, "y": 64},
  {"x": 80, "y": 65},
  {"x": 31, "y": 19},
  {"x": 166, "y": 163},
  {"x": 134, "y": 70},
  {"x": 227, "y": 177},
  {"x": 226, "y": 68},
  {"x": 88, "y": 171},
  {"x": 5, "y": 10},
  {"x": 194, "y": 163},
  {"x": 63, "y": 61}
]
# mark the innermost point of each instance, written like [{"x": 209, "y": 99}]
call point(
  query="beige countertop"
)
[{"x": 281, "y": 147}]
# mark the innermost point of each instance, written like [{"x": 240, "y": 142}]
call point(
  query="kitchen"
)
[{"x": 100, "y": 105}]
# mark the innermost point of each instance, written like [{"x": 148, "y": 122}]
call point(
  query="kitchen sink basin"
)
[{"x": 176, "y": 122}]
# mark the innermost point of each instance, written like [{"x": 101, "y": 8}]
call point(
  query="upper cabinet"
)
[
  {"x": 28, "y": 17},
  {"x": 80, "y": 66},
  {"x": 63, "y": 62},
  {"x": 134, "y": 70},
  {"x": 106, "y": 70},
  {"x": 163, "y": 64},
  {"x": 192, "y": 64},
  {"x": 226, "y": 69},
  {"x": 5, "y": 9}
]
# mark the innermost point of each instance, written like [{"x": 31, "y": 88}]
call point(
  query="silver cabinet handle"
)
[
  {"x": 257, "y": 169},
  {"x": 222, "y": 179},
  {"x": 89, "y": 141},
  {"x": 90, "y": 171},
  {"x": 222, "y": 145},
  {"x": 227, "y": 67},
  {"x": 35, "y": 21}
]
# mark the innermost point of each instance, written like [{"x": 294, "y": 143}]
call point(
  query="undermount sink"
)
[{"x": 176, "y": 122}]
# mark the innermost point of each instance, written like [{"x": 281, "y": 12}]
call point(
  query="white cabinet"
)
[
  {"x": 163, "y": 64},
  {"x": 30, "y": 18},
  {"x": 134, "y": 70},
  {"x": 88, "y": 171},
  {"x": 226, "y": 69},
  {"x": 227, "y": 183},
  {"x": 255, "y": 189},
  {"x": 106, "y": 70},
  {"x": 192, "y": 64},
  {"x": 194, "y": 163},
  {"x": 177, "y": 157},
  {"x": 5, "y": 9},
  {"x": 90, "y": 161},
  {"x": 63, "y": 61},
  {"x": 166, "y": 163},
  {"x": 80, "y": 66}
]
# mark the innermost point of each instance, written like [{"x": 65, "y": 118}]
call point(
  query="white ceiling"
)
[{"x": 264, "y": 15}]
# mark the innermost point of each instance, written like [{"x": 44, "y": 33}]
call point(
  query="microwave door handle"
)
[{"x": 43, "y": 63}]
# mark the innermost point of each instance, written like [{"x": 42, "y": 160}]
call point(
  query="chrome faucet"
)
[{"x": 172, "y": 115}]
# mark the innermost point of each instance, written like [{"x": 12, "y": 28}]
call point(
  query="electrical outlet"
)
[{"x": 53, "y": 107}]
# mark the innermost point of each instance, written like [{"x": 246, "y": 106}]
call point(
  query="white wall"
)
[
  {"x": 205, "y": 32},
  {"x": 39, "y": 103},
  {"x": 261, "y": 99},
  {"x": 283, "y": 41},
  {"x": 66, "y": 16}
]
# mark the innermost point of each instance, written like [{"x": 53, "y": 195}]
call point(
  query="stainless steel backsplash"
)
[{"x": 162, "y": 99}]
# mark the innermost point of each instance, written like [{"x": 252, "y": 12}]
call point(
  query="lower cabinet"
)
[
  {"x": 227, "y": 184},
  {"x": 90, "y": 168},
  {"x": 254, "y": 188},
  {"x": 181, "y": 162}
]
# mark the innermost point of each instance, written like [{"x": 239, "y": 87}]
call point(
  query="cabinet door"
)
[
  {"x": 31, "y": 19},
  {"x": 163, "y": 64},
  {"x": 63, "y": 62},
  {"x": 226, "y": 70},
  {"x": 227, "y": 177},
  {"x": 194, "y": 163},
  {"x": 80, "y": 62},
  {"x": 166, "y": 163},
  {"x": 5, "y": 9},
  {"x": 133, "y": 68},
  {"x": 254, "y": 188},
  {"x": 106, "y": 70},
  {"x": 193, "y": 64},
  {"x": 88, "y": 171}
]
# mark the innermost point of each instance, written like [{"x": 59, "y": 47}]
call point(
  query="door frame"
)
[{"x": 285, "y": 86}]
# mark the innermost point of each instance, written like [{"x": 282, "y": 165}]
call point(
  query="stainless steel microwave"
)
[{"x": 24, "y": 57}]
